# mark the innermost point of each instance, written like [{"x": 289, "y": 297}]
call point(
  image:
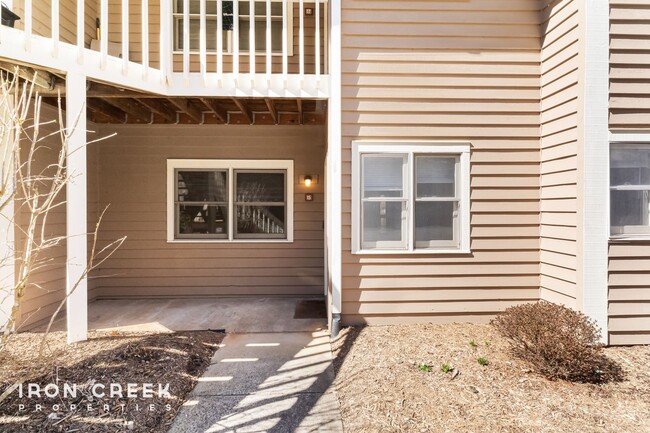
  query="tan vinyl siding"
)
[
  {"x": 46, "y": 285},
  {"x": 560, "y": 142},
  {"x": 629, "y": 263},
  {"x": 42, "y": 19},
  {"x": 135, "y": 41},
  {"x": 448, "y": 71},
  {"x": 132, "y": 178},
  {"x": 629, "y": 293},
  {"x": 629, "y": 65}
]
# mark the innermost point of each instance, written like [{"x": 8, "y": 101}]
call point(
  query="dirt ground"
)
[
  {"x": 106, "y": 358},
  {"x": 381, "y": 388}
]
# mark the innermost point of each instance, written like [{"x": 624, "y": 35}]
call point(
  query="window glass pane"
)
[
  {"x": 629, "y": 208},
  {"x": 383, "y": 221},
  {"x": 260, "y": 187},
  {"x": 630, "y": 166},
  {"x": 434, "y": 221},
  {"x": 261, "y": 220},
  {"x": 199, "y": 186},
  {"x": 202, "y": 219},
  {"x": 435, "y": 176},
  {"x": 195, "y": 7},
  {"x": 383, "y": 176},
  {"x": 210, "y": 34}
]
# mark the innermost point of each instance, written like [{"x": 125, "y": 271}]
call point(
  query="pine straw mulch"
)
[
  {"x": 381, "y": 389},
  {"x": 107, "y": 357}
]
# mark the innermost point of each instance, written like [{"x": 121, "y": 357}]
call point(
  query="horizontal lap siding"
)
[
  {"x": 629, "y": 263},
  {"x": 447, "y": 70},
  {"x": 629, "y": 65},
  {"x": 132, "y": 179},
  {"x": 46, "y": 283},
  {"x": 629, "y": 293},
  {"x": 561, "y": 72}
]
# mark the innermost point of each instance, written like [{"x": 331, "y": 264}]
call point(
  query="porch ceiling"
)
[{"x": 113, "y": 105}]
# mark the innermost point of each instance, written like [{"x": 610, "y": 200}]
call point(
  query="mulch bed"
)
[
  {"x": 107, "y": 358},
  {"x": 381, "y": 388}
]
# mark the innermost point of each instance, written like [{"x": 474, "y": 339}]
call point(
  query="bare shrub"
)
[{"x": 558, "y": 342}]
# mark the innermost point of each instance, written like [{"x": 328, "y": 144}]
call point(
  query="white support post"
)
[
  {"x": 595, "y": 166},
  {"x": 186, "y": 42},
  {"x": 76, "y": 209},
  {"x": 145, "y": 38},
  {"x": 55, "y": 28},
  {"x": 203, "y": 43},
  {"x": 334, "y": 181},
  {"x": 125, "y": 35},
  {"x": 251, "y": 39},
  {"x": 103, "y": 23},
  {"x": 81, "y": 30}
]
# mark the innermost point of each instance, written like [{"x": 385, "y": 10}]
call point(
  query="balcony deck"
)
[{"x": 139, "y": 54}]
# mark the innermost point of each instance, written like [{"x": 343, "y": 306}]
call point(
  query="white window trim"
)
[
  {"x": 412, "y": 147},
  {"x": 227, "y": 45},
  {"x": 628, "y": 139},
  {"x": 230, "y": 165}
]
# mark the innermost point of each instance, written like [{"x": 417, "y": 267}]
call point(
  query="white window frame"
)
[
  {"x": 632, "y": 140},
  {"x": 412, "y": 148},
  {"x": 228, "y": 40},
  {"x": 230, "y": 165}
]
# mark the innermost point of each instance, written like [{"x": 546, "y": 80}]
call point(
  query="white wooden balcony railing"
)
[{"x": 178, "y": 47}]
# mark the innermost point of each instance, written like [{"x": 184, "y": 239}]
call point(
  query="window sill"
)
[
  {"x": 409, "y": 253},
  {"x": 226, "y": 241},
  {"x": 629, "y": 238}
]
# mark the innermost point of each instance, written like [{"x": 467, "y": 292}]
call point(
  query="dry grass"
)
[
  {"x": 381, "y": 388},
  {"x": 178, "y": 359}
]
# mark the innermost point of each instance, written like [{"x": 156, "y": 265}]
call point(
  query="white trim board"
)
[
  {"x": 412, "y": 147},
  {"x": 595, "y": 147}
]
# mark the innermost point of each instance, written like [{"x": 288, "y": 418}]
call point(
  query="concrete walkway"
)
[{"x": 265, "y": 382}]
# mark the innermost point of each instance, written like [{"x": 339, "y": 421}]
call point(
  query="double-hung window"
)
[
  {"x": 629, "y": 189},
  {"x": 410, "y": 197},
  {"x": 245, "y": 18},
  {"x": 229, "y": 200}
]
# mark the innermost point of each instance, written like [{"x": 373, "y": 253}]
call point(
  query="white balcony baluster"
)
[
  {"x": 186, "y": 41},
  {"x": 166, "y": 59},
  {"x": 28, "y": 25},
  {"x": 235, "y": 38},
  {"x": 55, "y": 28},
  {"x": 125, "y": 35},
  {"x": 251, "y": 38},
  {"x": 103, "y": 25},
  {"x": 317, "y": 41},
  {"x": 285, "y": 42},
  {"x": 81, "y": 30},
  {"x": 220, "y": 40},
  {"x": 302, "y": 40},
  {"x": 145, "y": 37},
  {"x": 203, "y": 43},
  {"x": 269, "y": 45}
]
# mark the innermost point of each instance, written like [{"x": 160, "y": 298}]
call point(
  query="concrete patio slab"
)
[
  {"x": 269, "y": 382},
  {"x": 190, "y": 314}
]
